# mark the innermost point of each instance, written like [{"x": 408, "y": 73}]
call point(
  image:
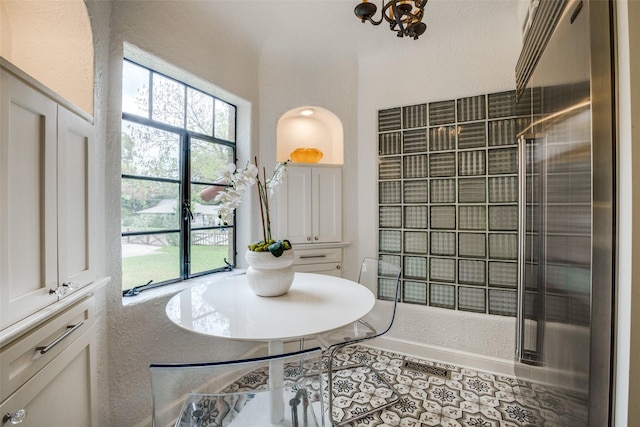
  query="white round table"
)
[{"x": 227, "y": 308}]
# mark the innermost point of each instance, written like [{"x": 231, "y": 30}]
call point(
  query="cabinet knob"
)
[
  {"x": 15, "y": 418},
  {"x": 308, "y": 238},
  {"x": 315, "y": 238},
  {"x": 64, "y": 288},
  {"x": 338, "y": 267}
]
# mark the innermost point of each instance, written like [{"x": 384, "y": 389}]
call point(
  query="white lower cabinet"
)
[
  {"x": 324, "y": 261},
  {"x": 49, "y": 374}
]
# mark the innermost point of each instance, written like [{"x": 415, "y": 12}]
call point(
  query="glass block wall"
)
[{"x": 448, "y": 201}]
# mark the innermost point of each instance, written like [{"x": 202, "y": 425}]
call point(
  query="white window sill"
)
[{"x": 174, "y": 288}]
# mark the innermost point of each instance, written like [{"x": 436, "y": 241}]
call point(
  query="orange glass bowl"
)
[{"x": 306, "y": 155}]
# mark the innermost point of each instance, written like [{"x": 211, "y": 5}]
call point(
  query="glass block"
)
[
  {"x": 472, "y": 135},
  {"x": 503, "y": 218},
  {"x": 443, "y": 191},
  {"x": 471, "y": 163},
  {"x": 389, "y": 143},
  {"x": 502, "y": 161},
  {"x": 442, "y": 295},
  {"x": 386, "y": 288},
  {"x": 389, "y": 168},
  {"x": 503, "y": 189},
  {"x": 503, "y": 246},
  {"x": 473, "y": 217},
  {"x": 471, "y": 272},
  {"x": 443, "y": 217},
  {"x": 415, "y": 267},
  {"x": 443, "y": 243},
  {"x": 503, "y": 274},
  {"x": 502, "y": 302},
  {"x": 442, "y": 269},
  {"x": 391, "y": 259},
  {"x": 415, "y": 141},
  {"x": 415, "y": 166},
  {"x": 472, "y": 299},
  {"x": 390, "y": 217},
  {"x": 389, "y": 119},
  {"x": 502, "y": 132},
  {"x": 414, "y": 292},
  {"x": 416, "y": 191},
  {"x": 415, "y": 242},
  {"x": 472, "y": 245},
  {"x": 472, "y": 190},
  {"x": 442, "y": 112},
  {"x": 442, "y": 138},
  {"x": 502, "y": 104},
  {"x": 414, "y": 116},
  {"x": 442, "y": 164},
  {"x": 390, "y": 240},
  {"x": 416, "y": 217},
  {"x": 472, "y": 108},
  {"x": 389, "y": 192}
]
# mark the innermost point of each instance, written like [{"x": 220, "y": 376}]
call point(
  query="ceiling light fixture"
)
[{"x": 403, "y": 16}]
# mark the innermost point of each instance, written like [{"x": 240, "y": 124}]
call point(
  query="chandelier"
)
[{"x": 404, "y": 16}]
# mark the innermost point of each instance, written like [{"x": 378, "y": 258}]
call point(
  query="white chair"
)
[
  {"x": 376, "y": 275},
  {"x": 240, "y": 392}
]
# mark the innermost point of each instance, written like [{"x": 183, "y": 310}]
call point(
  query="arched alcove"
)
[
  {"x": 311, "y": 127},
  {"x": 53, "y": 43}
]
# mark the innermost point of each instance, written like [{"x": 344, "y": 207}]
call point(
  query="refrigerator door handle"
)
[{"x": 522, "y": 217}]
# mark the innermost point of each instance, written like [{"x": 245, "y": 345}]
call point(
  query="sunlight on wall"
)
[{"x": 52, "y": 42}]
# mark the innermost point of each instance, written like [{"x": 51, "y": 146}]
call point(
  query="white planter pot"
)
[{"x": 269, "y": 276}]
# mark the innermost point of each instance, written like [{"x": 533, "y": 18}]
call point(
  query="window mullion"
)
[{"x": 185, "y": 192}]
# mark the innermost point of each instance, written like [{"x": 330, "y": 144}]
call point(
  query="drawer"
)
[
  {"x": 24, "y": 357},
  {"x": 317, "y": 256},
  {"x": 330, "y": 268}
]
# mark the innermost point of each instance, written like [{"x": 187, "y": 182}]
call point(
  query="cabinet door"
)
[
  {"x": 28, "y": 216},
  {"x": 296, "y": 223},
  {"x": 75, "y": 199},
  {"x": 327, "y": 204},
  {"x": 62, "y": 393}
]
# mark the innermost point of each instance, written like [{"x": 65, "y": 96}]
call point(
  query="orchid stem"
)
[{"x": 264, "y": 233}]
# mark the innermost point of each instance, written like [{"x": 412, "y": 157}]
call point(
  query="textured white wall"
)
[
  {"x": 140, "y": 333},
  {"x": 35, "y": 34}
]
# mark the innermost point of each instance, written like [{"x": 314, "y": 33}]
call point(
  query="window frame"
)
[{"x": 184, "y": 181}]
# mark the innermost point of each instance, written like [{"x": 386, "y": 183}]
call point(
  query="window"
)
[{"x": 176, "y": 143}]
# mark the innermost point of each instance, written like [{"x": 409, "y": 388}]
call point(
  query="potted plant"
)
[{"x": 270, "y": 272}]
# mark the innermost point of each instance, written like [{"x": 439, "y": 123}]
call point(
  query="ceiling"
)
[{"x": 325, "y": 27}]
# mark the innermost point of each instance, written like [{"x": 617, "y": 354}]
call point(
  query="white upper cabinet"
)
[
  {"x": 310, "y": 205},
  {"x": 46, "y": 153}
]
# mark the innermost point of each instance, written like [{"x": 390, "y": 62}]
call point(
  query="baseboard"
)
[{"x": 444, "y": 355}]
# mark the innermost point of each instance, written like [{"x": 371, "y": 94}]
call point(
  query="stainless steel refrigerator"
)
[{"x": 567, "y": 208}]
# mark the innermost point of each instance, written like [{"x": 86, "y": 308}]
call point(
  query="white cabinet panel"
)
[
  {"x": 46, "y": 193},
  {"x": 75, "y": 199},
  {"x": 28, "y": 215},
  {"x": 63, "y": 393},
  {"x": 327, "y": 205},
  {"x": 310, "y": 205}
]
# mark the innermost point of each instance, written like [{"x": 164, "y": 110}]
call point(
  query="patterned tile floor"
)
[{"x": 462, "y": 398}]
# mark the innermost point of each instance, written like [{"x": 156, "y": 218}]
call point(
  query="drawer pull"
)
[
  {"x": 15, "y": 418},
  {"x": 313, "y": 256},
  {"x": 70, "y": 329}
]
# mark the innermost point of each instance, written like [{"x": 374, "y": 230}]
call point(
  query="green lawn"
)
[{"x": 164, "y": 264}]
